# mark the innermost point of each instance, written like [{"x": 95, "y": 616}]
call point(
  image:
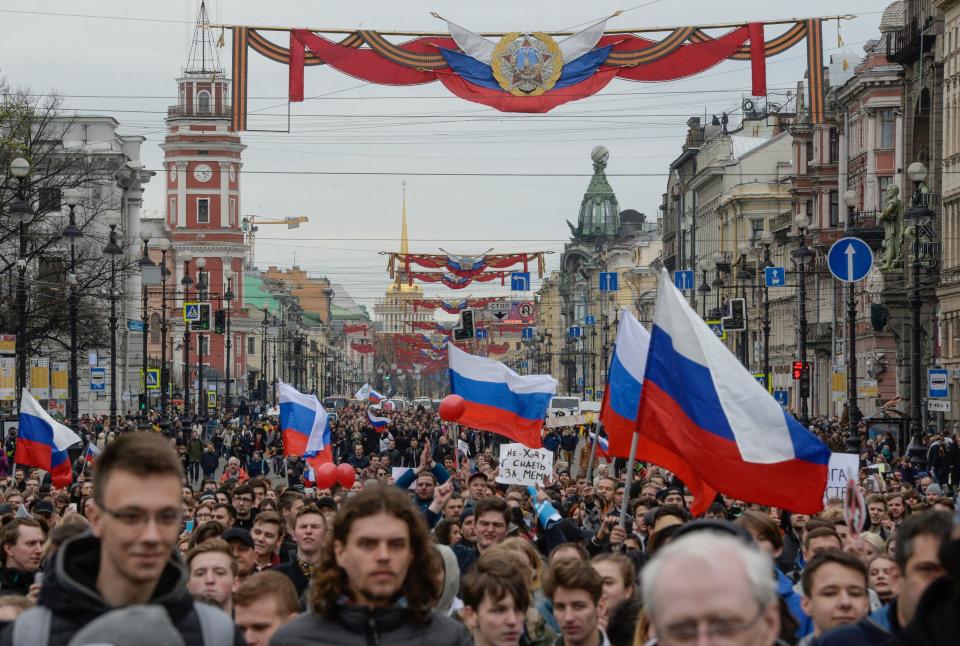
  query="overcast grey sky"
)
[{"x": 126, "y": 68}]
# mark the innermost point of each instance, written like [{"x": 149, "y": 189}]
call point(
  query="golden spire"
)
[{"x": 404, "y": 243}]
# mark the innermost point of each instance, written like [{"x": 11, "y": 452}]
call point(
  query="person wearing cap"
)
[
  {"x": 128, "y": 558},
  {"x": 376, "y": 582},
  {"x": 244, "y": 551}
]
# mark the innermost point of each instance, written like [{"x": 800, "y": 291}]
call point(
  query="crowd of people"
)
[{"x": 204, "y": 534}]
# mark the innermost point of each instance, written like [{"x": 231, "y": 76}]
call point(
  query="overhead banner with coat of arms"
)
[{"x": 531, "y": 71}]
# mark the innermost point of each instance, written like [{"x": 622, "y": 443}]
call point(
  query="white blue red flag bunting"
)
[
  {"x": 621, "y": 397},
  {"x": 704, "y": 417},
  {"x": 42, "y": 441},
  {"x": 366, "y": 392},
  {"x": 305, "y": 426},
  {"x": 498, "y": 399}
]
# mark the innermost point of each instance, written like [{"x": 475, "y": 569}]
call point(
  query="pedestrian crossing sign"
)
[
  {"x": 211, "y": 399},
  {"x": 153, "y": 378},
  {"x": 191, "y": 312}
]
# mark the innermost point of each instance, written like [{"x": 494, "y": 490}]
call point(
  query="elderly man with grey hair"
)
[{"x": 714, "y": 586}]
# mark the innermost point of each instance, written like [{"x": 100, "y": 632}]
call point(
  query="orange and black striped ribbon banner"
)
[
  {"x": 238, "y": 120},
  {"x": 815, "y": 69}
]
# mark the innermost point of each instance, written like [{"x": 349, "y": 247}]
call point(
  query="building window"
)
[
  {"x": 172, "y": 211},
  {"x": 756, "y": 228},
  {"x": 238, "y": 346},
  {"x": 834, "y": 208},
  {"x": 888, "y": 128},
  {"x": 883, "y": 182},
  {"x": 233, "y": 210},
  {"x": 50, "y": 199},
  {"x": 204, "y": 342},
  {"x": 251, "y": 345},
  {"x": 203, "y": 210},
  {"x": 834, "y": 145},
  {"x": 203, "y": 102}
]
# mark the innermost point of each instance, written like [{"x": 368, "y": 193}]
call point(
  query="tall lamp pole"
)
[
  {"x": 201, "y": 296},
  {"x": 853, "y": 406},
  {"x": 917, "y": 212},
  {"x": 766, "y": 239},
  {"x": 112, "y": 249},
  {"x": 704, "y": 287},
  {"x": 145, "y": 265},
  {"x": 801, "y": 254},
  {"x": 186, "y": 281},
  {"x": 21, "y": 212},
  {"x": 72, "y": 197},
  {"x": 164, "y": 245},
  {"x": 228, "y": 341}
]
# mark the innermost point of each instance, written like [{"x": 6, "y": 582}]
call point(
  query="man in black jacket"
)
[
  {"x": 22, "y": 542},
  {"x": 128, "y": 558}
]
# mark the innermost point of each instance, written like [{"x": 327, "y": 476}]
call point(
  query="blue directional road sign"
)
[
  {"x": 527, "y": 333},
  {"x": 520, "y": 281},
  {"x": 608, "y": 281},
  {"x": 775, "y": 276},
  {"x": 98, "y": 378},
  {"x": 782, "y": 396},
  {"x": 683, "y": 279},
  {"x": 589, "y": 319},
  {"x": 574, "y": 331},
  {"x": 850, "y": 259},
  {"x": 481, "y": 333},
  {"x": 134, "y": 325},
  {"x": 937, "y": 383}
]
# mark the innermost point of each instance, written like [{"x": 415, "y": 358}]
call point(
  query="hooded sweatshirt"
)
[
  {"x": 69, "y": 590},
  {"x": 451, "y": 579}
]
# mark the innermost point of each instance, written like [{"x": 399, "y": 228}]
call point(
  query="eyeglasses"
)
[
  {"x": 716, "y": 629},
  {"x": 136, "y": 517}
]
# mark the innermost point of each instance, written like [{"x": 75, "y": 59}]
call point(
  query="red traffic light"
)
[{"x": 797, "y": 369}]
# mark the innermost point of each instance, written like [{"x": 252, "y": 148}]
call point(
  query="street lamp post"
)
[
  {"x": 164, "y": 245},
  {"x": 917, "y": 212},
  {"x": 744, "y": 275},
  {"x": 201, "y": 296},
  {"x": 113, "y": 250},
  {"x": 186, "y": 281},
  {"x": 766, "y": 239},
  {"x": 22, "y": 213},
  {"x": 72, "y": 197},
  {"x": 853, "y": 407},
  {"x": 800, "y": 255},
  {"x": 145, "y": 264},
  {"x": 704, "y": 287},
  {"x": 228, "y": 341}
]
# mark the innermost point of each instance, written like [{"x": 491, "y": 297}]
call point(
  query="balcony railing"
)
[
  {"x": 181, "y": 111},
  {"x": 906, "y": 45}
]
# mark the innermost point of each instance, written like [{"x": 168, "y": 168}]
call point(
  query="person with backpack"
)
[{"x": 126, "y": 563}]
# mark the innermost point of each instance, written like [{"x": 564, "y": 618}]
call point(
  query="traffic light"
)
[
  {"x": 203, "y": 325},
  {"x": 220, "y": 322},
  {"x": 465, "y": 330},
  {"x": 797, "y": 369},
  {"x": 142, "y": 401}
]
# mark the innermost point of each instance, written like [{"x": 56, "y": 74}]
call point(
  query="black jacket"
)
[
  {"x": 69, "y": 591},
  {"x": 14, "y": 581},
  {"x": 295, "y": 573},
  {"x": 936, "y": 620}
]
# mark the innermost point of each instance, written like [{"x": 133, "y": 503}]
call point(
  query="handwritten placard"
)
[
  {"x": 842, "y": 466},
  {"x": 522, "y": 465}
]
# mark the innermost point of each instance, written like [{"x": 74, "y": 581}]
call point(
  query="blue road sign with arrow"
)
[
  {"x": 683, "y": 279},
  {"x": 775, "y": 276},
  {"x": 850, "y": 259}
]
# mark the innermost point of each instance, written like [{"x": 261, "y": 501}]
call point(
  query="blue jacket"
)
[
  {"x": 792, "y": 599},
  {"x": 410, "y": 475}
]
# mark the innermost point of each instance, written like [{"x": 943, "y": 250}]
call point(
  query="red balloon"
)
[
  {"x": 326, "y": 475},
  {"x": 346, "y": 475},
  {"x": 452, "y": 408}
]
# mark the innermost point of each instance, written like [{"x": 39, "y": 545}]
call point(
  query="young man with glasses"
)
[{"x": 127, "y": 559}]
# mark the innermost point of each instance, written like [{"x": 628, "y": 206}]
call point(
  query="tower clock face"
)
[{"x": 202, "y": 173}]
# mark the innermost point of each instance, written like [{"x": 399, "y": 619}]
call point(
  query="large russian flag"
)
[
  {"x": 621, "y": 397},
  {"x": 498, "y": 399},
  {"x": 39, "y": 436},
  {"x": 301, "y": 416},
  {"x": 704, "y": 411}
]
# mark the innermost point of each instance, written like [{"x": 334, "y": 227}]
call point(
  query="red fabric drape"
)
[
  {"x": 687, "y": 60},
  {"x": 758, "y": 59},
  {"x": 350, "y": 329},
  {"x": 296, "y": 66},
  {"x": 363, "y": 348}
]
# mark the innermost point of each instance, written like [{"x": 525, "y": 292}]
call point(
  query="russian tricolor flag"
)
[
  {"x": 498, "y": 399},
  {"x": 368, "y": 393},
  {"x": 379, "y": 423},
  {"x": 621, "y": 397},
  {"x": 603, "y": 445},
  {"x": 42, "y": 441},
  {"x": 303, "y": 422},
  {"x": 90, "y": 455},
  {"x": 704, "y": 416}
]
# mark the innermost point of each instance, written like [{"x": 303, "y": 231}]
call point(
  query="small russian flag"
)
[
  {"x": 379, "y": 423},
  {"x": 603, "y": 447},
  {"x": 90, "y": 455}
]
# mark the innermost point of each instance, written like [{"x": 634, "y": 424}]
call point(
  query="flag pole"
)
[{"x": 629, "y": 481}]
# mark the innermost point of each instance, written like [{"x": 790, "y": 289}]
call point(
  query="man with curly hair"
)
[{"x": 375, "y": 582}]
